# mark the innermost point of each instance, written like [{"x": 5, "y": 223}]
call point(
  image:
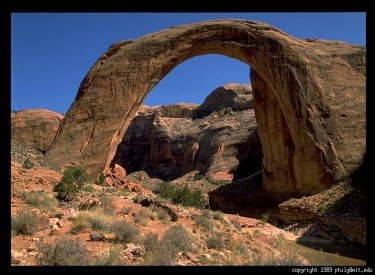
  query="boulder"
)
[
  {"x": 234, "y": 96},
  {"x": 35, "y": 128},
  {"x": 96, "y": 237}
]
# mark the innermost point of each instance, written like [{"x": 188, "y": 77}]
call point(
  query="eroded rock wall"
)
[
  {"x": 35, "y": 128},
  {"x": 170, "y": 141}
]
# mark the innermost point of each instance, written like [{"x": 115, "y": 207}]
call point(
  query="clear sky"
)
[{"x": 52, "y": 52}]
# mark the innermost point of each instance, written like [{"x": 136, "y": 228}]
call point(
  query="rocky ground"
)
[{"x": 116, "y": 226}]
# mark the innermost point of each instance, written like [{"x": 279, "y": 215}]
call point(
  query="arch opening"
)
[{"x": 217, "y": 138}]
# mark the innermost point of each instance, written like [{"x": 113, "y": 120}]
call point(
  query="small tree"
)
[
  {"x": 187, "y": 197},
  {"x": 28, "y": 164},
  {"x": 101, "y": 180},
  {"x": 72, "y": 181}
]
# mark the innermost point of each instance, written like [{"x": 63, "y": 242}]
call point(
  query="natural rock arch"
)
[{"x": 309, "y": 99}]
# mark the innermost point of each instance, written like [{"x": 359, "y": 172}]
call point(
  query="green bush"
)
[
  {"x": 125, "y": 232},
  {"x": 187, "y": 197},
  {"x": 166, "y": 190},
  {"x": 63, "y": 252},
  {"x": 101, "y": 180},
  {"x": 72, "y": 181},
  {"x": 40, "y": 199},
  {"x": 264, "y": 218},
  {"x": 182, "y": 195},
  {"x": 27, "y": 164},
  {"x": 88, "y": 188}
]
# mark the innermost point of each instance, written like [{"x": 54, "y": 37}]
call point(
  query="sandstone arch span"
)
[{"x": 309, "y": 98}]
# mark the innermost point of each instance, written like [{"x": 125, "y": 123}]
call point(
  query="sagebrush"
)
[
  {"x": 40, "y": 199},
  {"x": 25, "y": 222},
  {"x": 63, "y": 252}
]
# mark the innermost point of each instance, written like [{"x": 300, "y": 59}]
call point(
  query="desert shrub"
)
[
  {"x": 218, "y": 182},
  {"x": 178, "y": 237},
  {"x": 236, "y": 225},
  {"x": 96, "y": 220},
  {"x": 182, "y": 195},
  {"x": 138, "y": 198},
  {"x": 236, "y": 245},
  {"x": 101, "y": 180},
  {"x": 287, "y": 259},
  {"x": 72, "y": 181},
  {"x": 28, "y": 164},
  {"x": 88, "y": 188},
  {"x": 165, "y": 251},
  {"x": 215, "y": 241},
  {"x": 203, "y": 221},
  {"x": 80, "y": 224},
  {"x": 218, "y": 216},
  {"x": 322, "y": 208},
  {"x": 125, "y": 210},
  {"x": 206, "y": 213},
  {"x": 145, "y": 212},
  {"x": 204, "y": 260},
  {"x": 40, "y": 200},
  {"x": 24, "y": 222},
  {"x": 264, "y": 218},
  {"x": 125, "y": 232},
  {"x": 151, "y": 242},
  {"x": 63, "y": 252},
  {"x": 187, "y": 197},
  {"x": 161, "y": 214},
  {"x": 99, "y": 221},
  {"x": 106, "y": 204},
  {"x": 144, "y": 215},
  {"x": 166, "y": 190},
  {"x": 110, "y": 257},
  {"x": 166, "y": 254}
]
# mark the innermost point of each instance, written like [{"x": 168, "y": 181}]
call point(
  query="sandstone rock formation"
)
[
  {"x": 309, "y": 99},
  {"x": 170, "y": 141},
  {"x": 35, "y": 128},
  {"x": 234, "y": 96}
]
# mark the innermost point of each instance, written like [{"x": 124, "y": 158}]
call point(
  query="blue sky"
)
[{"x": 52, "y": 52}]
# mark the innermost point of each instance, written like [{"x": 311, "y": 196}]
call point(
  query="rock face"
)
[
  {"x": 170, "y": 141},
  {"x": 309, "y": 99},
  {"x": 35, "y": 128},
  {"x": 339, "y": 212},
  {"x": 234, "y": 96}
]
